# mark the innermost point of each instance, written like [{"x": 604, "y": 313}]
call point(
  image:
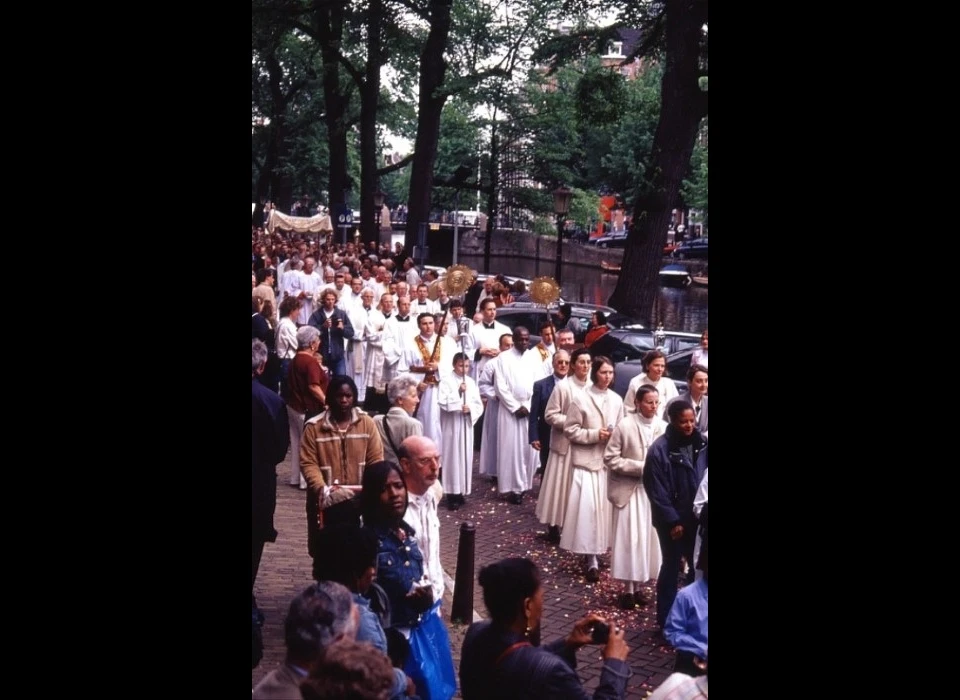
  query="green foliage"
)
[{"x": 601, "y": 97}]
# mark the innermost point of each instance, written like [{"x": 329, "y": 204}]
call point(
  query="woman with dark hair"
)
[
  {"x": 654, "y": 373},
  {"x": 671, "y": 477},
  {"x": 336, "y": 446},
  {"x": 591, "y": 418},
  {"x": 383, "y": 503},
  {"x": 349, "y": 671},
  {"x": 598, "y": 326},
  {"x": 270, "y": 377},
  {"x": 352, "y": 560},
  {"x": 285, "y": 340},
  {"x": 502, "y": 657}
]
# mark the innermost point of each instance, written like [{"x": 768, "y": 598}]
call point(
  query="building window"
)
[{"x": 615, "y": 48}]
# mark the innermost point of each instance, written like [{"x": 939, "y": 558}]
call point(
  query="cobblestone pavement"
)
[{"x": 502, "y": 530}]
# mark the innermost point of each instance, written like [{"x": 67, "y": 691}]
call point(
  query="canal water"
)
[{"x": 679, "y": 309}]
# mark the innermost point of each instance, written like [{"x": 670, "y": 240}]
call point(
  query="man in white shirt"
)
[
  {"x": 491, "y": 408},
  {"x": 352, "y": 298},
  {"x": 373, "y": 374},
  {"x": 411, "y": 274},
  {"x": 399, "y": 329},
  {"x": 420, "y": 461},
  {"x": 516, "y": 459},
  {"x": 423, "y": 304},
  {"x": 304, "y": 286},
  {"x": 486, "y": 336},
  {"x": 357, "y": 345},
  {"x": 429, "y": 357}
]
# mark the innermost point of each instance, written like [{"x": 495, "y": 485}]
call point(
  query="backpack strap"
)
[{"x": 510, "y": 649}]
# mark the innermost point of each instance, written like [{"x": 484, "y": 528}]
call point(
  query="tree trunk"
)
[
  {"x": 430, "y": 105},
  {"x": 683, "y": 106},
  {"x": 369, "y": 103},
  {"x": 329, "y": 27},
  {"x": 492, "y": 198}
]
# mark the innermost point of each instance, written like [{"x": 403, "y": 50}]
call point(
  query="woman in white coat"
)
[
  {"x": 555, "y": 486},
  {"x": 636, "y": 554},
  {"x": 654, "y": 373},
  {"x": 590, "y": 422}
]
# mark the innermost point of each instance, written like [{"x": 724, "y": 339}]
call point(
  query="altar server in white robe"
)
[
  {"x": 460, "y": 408},
  {"x": 555, "y": 487},
  {"x": 491, "y": 410},
  {"x": 636, "y": 556},
  {"x": 516, "y": 459},
  {"x": 356, "y": 354},
  {"x": 486, "y": 337},
  {"x": 430, "y": 358},
  {"x": 590, "y": 423}
]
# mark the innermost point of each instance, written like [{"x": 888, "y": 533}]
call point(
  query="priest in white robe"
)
[
  {"x": 357, "y": 345},
  {"x": 460, "y": 408},
  {"x": 429, "y": 357},
  {"x": 400, "y": 328},
  {"x": 516, "y": 459},
  {"x": 373, "y": 376},
  {"x": 486, "y": 337}
]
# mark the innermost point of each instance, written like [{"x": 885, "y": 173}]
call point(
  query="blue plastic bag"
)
[{"x": 430, "y": 663}]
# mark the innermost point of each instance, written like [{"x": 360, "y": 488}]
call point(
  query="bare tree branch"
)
[{"x": 396, "y": 166}]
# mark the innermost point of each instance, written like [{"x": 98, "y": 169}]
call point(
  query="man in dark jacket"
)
[
  {"x": 271, "y": 438},
  {"x": 671, "y": 477},
  {"x": 334, "y": 326},
  {"x": 539, "y": 429}
]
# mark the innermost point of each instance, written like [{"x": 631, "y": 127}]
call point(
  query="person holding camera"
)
[
  {"x": 334, "y": 326},
  {"x": 502, "y": 657}
]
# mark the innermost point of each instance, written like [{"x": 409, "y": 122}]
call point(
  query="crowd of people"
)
[{"x": 373, "y": 378}]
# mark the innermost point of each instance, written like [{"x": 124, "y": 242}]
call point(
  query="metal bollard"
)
[{"x": 462, "y": 609}]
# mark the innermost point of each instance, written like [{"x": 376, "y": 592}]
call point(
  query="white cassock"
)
[
  {"x": 373, "y": 362},
  {"x": 540, "y": 360},
  {"x": 428, "y": 412},
  {"x": 396, "y": 334},
  {"x": 302, "y": 282},
  {"x": 428, "y": 307},
  {"x": 348, "y": 300},
  {"x": 485, "y": 338},
  {"x": 464, "y": 344},
  {"x": 488, "y": 438},
  {"x": 456, "y": 427},
  {"x": 516, "y": 459},
  {"x": 357, "y": 349}
]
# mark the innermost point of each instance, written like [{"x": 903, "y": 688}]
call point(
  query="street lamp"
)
[
  {"x": 561, "y": 205},
  {"x": 378, "y": 198}
]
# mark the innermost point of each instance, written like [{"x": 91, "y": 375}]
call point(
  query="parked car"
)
[
  {"x": 623, "y": 344},
  {"x": 677, "y": 365},
  {"x": 611, "y": 240},
  {"x": 530, "y": 316},
  {"x": 696, "y": 248}
]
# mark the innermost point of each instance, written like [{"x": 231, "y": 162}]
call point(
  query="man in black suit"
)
[{"x": 539, "y": 429}]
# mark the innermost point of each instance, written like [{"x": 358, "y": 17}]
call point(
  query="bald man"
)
[{"x": 420, "y": 461}]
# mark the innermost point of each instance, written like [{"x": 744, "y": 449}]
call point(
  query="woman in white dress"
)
[
  {"x": 636, "y": 554},
  {"x": 591, "y": 420},
  {"x": 654, "y": 367},
  {"x": 555, "y": 486}
]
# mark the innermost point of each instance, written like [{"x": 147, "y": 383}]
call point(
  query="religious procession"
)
[{"x": 390, "y": 405}]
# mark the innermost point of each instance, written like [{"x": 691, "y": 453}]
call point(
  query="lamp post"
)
[
  {"x": 378, "y": 198},
  {"x": 561, "y": 205}
]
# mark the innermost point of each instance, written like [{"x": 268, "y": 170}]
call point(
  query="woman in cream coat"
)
[
  {"x": 636, "y": 554},
  {"x": 555, "y": 486},
  {"x": 590, "y": 423}
]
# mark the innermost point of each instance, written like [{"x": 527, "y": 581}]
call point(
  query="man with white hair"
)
[
  {"x": 410, "y": 273},
  {"x": 321, "y": 615}
]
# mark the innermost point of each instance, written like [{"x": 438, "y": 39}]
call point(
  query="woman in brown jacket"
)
[{"x": 335, "y": 447}]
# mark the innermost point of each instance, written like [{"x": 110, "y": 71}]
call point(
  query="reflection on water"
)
[{"x": 679, "y": 309}]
